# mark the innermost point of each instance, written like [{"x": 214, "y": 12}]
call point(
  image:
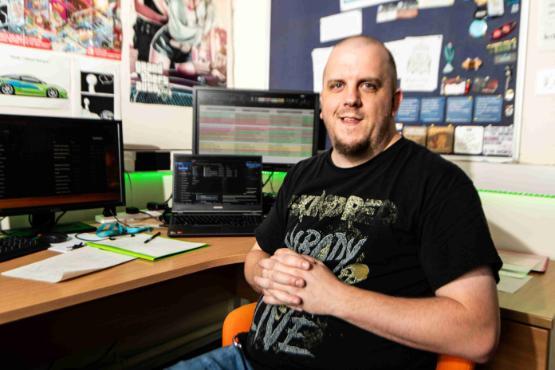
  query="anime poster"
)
[
  {"x": 34, "y": 79},
  {"x": 88, "y": 27},
  {"x": 176, "y": 45}
]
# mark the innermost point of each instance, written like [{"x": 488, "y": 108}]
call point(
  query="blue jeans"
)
[{"x": 225, "y": 358}]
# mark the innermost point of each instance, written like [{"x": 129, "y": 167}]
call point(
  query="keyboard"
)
[
  {"x": 197, "y": 224},
  {"x": 17, "y": 246}
]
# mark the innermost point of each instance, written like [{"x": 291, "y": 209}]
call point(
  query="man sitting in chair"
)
[{"x": 377, "y": 254}]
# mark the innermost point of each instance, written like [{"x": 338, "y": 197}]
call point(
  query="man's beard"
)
[{"x": 352, "y": 150}]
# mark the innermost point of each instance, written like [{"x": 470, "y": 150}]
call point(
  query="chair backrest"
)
[{"x": 239, "y": 320}]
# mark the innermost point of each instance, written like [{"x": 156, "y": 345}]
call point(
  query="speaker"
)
[{"x": 152, "y": 161}]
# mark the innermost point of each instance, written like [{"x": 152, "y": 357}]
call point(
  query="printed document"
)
[{"x": 68, "y": 265}]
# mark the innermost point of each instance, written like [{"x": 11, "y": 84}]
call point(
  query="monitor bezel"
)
[
  {"x": 266, "y": 163},
  {"x": 15, "y": 211},
  {"x": 179, "y": 207}
]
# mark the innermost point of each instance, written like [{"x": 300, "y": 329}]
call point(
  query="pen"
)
[{"x": 152, "y": 237}]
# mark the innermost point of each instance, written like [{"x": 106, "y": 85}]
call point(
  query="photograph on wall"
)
[
  {"x": 87, "y": 27},
  {"x": 33, "y": 79},
  {"x": 176, "y": 45},
  {"x": 97, "y": 95}
]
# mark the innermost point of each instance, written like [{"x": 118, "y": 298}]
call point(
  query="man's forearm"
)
[
  {"x": 252, "y": 268},
  {"x": 437, "y": 324}
]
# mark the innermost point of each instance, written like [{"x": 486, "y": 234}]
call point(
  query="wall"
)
[{"x": 538, "y": 128}]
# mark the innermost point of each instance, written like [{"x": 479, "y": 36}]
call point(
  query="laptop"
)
[{"x": 216, "y": 195}]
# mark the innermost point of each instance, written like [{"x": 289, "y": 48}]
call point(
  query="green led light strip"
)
[
  {"x": 280, "y": 175},
  {"x": 517, "y": 193}
]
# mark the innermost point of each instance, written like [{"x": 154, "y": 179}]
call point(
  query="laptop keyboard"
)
[{"x": 217, "y": 220}]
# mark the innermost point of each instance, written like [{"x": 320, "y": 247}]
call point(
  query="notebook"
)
[{"x": 216, "y": 195}]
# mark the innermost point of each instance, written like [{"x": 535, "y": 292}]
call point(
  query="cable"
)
[
  {"x": 130, "y": 184},
  {"x": 77, "y": 236},
  {"x": 268, "y": 179},
  {"x": 59, "y": 217}
]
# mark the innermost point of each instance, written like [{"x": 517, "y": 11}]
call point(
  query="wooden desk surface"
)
[
  {"x": 25, "y": 298},
  {"x": 534, "y": 303}
]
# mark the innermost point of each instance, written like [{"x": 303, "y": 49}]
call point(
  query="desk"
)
[
  {"x": 139, "y": 297},
  {"x": 133, "y": 306},
  {"x": 527, "y": 326}
]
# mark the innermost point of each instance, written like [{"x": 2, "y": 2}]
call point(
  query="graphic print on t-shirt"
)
[{"x": 332, "y": 229}]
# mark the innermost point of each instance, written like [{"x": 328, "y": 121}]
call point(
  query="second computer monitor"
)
[{"x": 280, "y": 126}]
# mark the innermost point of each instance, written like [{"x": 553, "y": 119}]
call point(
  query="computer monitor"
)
[
  {"x": 50, "y": 164},
  {"x": 280, "y": 126}
]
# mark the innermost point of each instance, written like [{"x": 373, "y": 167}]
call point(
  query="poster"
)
[
  {"x": 99, "y": 93},
  {"x": 34, "y": 79},
  {"x": 176, "y": 45},
  {"x": 87, "y": 27}
]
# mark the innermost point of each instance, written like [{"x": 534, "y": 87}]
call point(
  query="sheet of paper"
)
[
  {"x": 498, "y": 140},
  {"x": 341, "y": 25},
  {"x": 525, "y": 260},
  {"x": 425, "y": 4},
  {"x": 469, "y": 139},
  {"x": 319, "y": 60},
  {"x": 421, "y": 66},
  {"x": 69, "y": 265},
  {"x": 545, "y": 82},
  {"x": 546, "y": 27},
  {"x": 355, "y": 4},
  {"x": 156, "y": 248},
  {"x": 511, "y": 284},
  {"x": 398, "y": 49},
  {"x": 98, "y": 94},
  {"x": 37, "y": 79}
]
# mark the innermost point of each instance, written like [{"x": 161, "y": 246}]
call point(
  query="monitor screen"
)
[
  {"x": 206, "y": 182},
  {"x": 280, "y": 126},
  {"x": 52, "y": 164}
]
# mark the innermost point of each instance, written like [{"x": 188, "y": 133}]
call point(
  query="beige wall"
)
[{"x": 538, "y": 118}]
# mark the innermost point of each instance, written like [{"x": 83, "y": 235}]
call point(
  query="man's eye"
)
[
  {"x": 336, "y": 85},
  {"x": 369, "y": 86}
]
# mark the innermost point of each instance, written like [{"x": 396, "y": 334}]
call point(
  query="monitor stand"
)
[{"x": 44, "y": 223}]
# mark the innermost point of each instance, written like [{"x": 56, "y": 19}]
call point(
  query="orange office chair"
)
[{"x": 239, "y": 320}]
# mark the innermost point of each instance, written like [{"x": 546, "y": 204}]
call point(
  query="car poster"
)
[
  {"x": 87, "y": 27},
  {"x": 34, "y": 80},
  {"x": 177, "y": 44}
]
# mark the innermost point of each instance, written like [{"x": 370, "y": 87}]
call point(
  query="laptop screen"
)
[{"x": 211, "y": 183}]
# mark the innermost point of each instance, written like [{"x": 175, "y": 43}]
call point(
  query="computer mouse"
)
[{"x": 53, "y": 237}]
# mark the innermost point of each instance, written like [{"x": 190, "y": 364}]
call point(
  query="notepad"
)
[
  {"x": 68, "y": 265},
  {"x": 135, "y": 246}
]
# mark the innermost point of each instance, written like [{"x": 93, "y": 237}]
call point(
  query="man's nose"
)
[{"x": 352, "y": 96}]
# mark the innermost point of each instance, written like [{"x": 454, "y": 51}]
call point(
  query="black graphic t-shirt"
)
[{"x": 404, "y": 223}]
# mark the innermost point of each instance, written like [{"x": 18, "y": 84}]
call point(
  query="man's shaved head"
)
[{"x": 365, "y": 41}]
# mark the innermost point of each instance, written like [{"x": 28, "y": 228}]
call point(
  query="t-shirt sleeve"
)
[
  {"x": 270, "y": 234},
  {"x": 455, "y": 238}
]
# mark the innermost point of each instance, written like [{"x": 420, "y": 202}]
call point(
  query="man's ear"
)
[{"x": 396, "y": 103}]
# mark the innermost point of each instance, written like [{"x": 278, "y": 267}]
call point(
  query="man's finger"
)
[
  {"x": 295, "y": 260},
  {"x": 266, "y": 283},
  {"x": 283, "y": 278},
  {"x": 284, "y": 298}
]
